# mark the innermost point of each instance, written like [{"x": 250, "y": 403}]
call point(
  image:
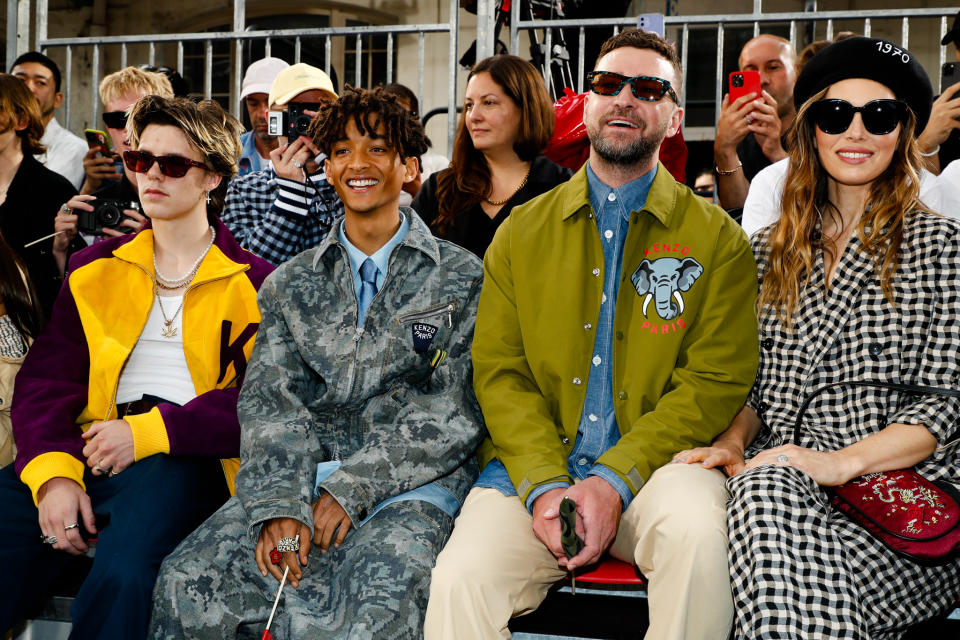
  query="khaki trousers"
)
[{"x": 675, "y": 531}]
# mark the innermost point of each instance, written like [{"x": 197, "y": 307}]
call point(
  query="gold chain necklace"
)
[
  {"x": 168, "y": 330},
  {"x": 498, "y": 203}
]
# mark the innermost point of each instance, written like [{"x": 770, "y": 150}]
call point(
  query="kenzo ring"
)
[
  {"x": 782, "y": 459},
  {"x": 65, "y": 208},
  {"x": 51, "y": 540},
  {"x": 286, "y": 545}
]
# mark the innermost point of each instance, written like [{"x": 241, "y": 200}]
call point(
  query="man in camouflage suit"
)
[{"x": 362, "y": 364}]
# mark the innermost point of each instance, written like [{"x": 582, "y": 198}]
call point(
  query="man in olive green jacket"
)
[{"x": 615, "y": 328}]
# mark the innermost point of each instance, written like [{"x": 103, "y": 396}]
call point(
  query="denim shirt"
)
[
  {"x": 250, "y": 159},
  {"x": 598, "y": 430}
]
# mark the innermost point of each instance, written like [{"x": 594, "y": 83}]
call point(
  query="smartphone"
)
[
  {"x": 949, "y": 75},
  {"x": 97, "y": 138},
  {"x": 743, "y": 83},
  {"x": 652, "y": 22}
]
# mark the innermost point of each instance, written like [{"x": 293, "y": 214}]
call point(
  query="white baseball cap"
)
[{"x": 260, "y": 76}]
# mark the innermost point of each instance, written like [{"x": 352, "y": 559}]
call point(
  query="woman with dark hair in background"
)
[
  {"x": 20, "y": 321},
  {"x": 858, "y": 283},
  {"x": 497, "y": 159},
  {"x": 125, "y": 408},
  {"x": 30, "y": 194}
]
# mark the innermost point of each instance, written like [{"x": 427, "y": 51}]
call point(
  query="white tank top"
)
[{"x": 157, "y": 366}]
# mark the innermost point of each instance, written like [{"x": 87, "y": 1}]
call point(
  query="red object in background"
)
[
  {"x": 266, "y": 635},
  {"x": 569, "y": 147}
]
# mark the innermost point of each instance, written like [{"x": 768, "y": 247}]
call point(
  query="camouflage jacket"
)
[{"x": 319, "y": 388}]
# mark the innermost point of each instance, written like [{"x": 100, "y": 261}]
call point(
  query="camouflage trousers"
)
[{"x": 375, "y": 585}]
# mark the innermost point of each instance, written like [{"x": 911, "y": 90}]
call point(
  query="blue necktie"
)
[{"x": 368, "y": 286}]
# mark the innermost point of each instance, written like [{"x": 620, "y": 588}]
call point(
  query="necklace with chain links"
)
[
  {"x": 498, "y": 203},
  {"x": 170, "y": 283},
  {"x": 168, "y": 330}
]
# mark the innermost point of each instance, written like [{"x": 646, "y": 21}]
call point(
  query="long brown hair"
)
[
  {"x": 17, "y": 294},
  {"x": 794, "y": 238},
  {"x": 18, "y": 105},
  {"x": 467, "y": 180}
]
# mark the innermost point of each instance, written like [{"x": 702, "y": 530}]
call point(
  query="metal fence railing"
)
[
  {"x": 799, "y": 27},
  {"x": 238, "y": 38},
  {"x": 708, "y": 46}
]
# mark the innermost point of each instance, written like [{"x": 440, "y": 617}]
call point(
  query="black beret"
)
[
  {"x": 874, "y": 59},
  {"x": 954, "y": 34}
]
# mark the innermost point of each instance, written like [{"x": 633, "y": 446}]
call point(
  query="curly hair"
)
[
  {"x": 402, "y": 131},
  {"x": 794, "y": 239},
  {"x": 467, "y": 181},
  {"x": 211, "y": 131},
  {"x": 18, "y": 105}
]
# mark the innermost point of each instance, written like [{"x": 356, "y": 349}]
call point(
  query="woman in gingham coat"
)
[{"x": 857, "y": 282}]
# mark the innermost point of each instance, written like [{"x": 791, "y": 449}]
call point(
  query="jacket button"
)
[
  {"x": 577, "y": 381},
  {"x": 762, "y": 406},
  {"x": 596, "y": 272},
  {"x": 619, "y": 335},
  {"x": 767, "y": 343},
  {"x": 622, "y": 395},
  {"x": 362, "y": 512},
  {"x": 876, "y": 349},
  {"x": 565, "y": 440},
  {"x": 588, "y": 326}
]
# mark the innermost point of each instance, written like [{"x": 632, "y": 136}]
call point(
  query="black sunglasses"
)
[
  {"x": 170, "y": 166},
  {"x": 880, "y": 117},
  {"x": 115, "y": 119},
  {"x": 649, "y": 88}
]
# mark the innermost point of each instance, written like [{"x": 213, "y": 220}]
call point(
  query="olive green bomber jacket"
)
[{"x": 685, "y": 332}]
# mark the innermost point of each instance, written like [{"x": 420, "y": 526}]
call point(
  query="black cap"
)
[
  {"x": 875, "y": 59},
  {"x": 954, "y": 34}
]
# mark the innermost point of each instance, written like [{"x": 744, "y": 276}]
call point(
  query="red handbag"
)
[{"x": 911, "y": 515}]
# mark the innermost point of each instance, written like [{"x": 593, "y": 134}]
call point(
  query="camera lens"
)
[
  {"x": 301, "y": 125},
  {"x": 108, "y": 215},
  {"x": 738, "y": 80}
]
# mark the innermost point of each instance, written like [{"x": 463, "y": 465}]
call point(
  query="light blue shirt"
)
[
  {"x": 381, "y": 258},
  {"x": 432, "y": 492},
  {"x": 598, "y": 430},
  {"x": 250, "y": 159}
]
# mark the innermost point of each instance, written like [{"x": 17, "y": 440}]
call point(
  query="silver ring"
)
[
  {"x": 782, "y": 458},
  {"x": 75, "y": 525},
  {"x": 51, "y": 540},
  {"x": 112, "y": 472},
  {"x": 298, "y": 165},
  {"x": 749, "y": 119},
  {"x": 65, "y": 208},
  {"x": 98, "y": 470},
  {"x": 286, "y": 545}
]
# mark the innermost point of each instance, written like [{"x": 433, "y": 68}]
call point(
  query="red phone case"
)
[{"x": 751, "y": 84}]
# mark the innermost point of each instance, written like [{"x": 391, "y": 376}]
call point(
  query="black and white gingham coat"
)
[{"x": 799, "y": 568}]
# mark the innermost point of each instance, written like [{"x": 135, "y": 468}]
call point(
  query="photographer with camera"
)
[
  {"x": 113, "y": 209},
  {"x": 125, "y": 408},
  {"x": 288, "y": 207}
]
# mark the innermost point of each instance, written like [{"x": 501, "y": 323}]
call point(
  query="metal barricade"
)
[
  {"x": 238, "y": 38},
  {"x": 821, "y": 24}
]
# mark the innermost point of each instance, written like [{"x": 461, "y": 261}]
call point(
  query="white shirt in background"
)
[
  {"x": 762, "y": 207},
  {"x": 64, "y": 154}
]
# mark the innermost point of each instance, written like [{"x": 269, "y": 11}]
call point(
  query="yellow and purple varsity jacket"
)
[{"x": 70, "y": 377}]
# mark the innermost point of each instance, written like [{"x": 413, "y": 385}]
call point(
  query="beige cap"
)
[
  {"x": 296, "y": 79},
  {"x": 260, "y": 76}
]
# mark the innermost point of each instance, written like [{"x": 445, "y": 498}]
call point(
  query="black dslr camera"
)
[
  {"x": 293, "y": 122},
  {"x": 106, "y": 213}
]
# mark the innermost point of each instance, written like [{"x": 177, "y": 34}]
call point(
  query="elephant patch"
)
[{"x": 663, "y": 281}]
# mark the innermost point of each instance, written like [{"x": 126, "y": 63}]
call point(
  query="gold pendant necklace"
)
[{"x": 168, "y": 330}]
